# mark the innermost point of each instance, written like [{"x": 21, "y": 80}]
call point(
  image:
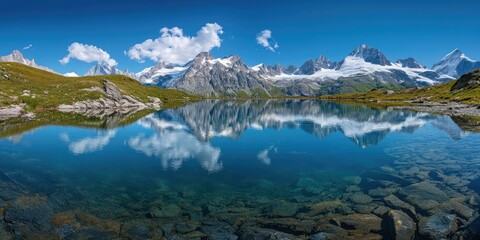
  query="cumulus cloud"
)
[
  {"x": 88, "y": 53},
  {"x": 88, "y": 144},
  {"x": 264, "y": 155},
  {"x": 27, "y": 47},
  {"x": 174, "y": 47},
  {"x": 70, "y": 74},
  {"x": 265, "y": 39},
  {"x": 174, "y": 144}
]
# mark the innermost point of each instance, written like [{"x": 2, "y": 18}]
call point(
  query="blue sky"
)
[{"x": 425, "y": 30}]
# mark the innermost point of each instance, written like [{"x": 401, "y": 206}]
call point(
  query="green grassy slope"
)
[
  {"x": 440, "y": 93},
  {"x": 47, "y": 90}
]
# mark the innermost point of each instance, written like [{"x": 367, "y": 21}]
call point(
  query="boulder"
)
[
  {"x": 166, "y": 211},
  {"x": 365, "y": 223},
  {"x": 293, "y": 225},
  {"x": 28, "y": 217},
  {"x": 282, "y": 209},
  {"x": 323, "y": 207},
  {"x": 424, "y": 195},
  {"x": 438, "y": 226},
  {"x": 360, "y": 198},
  {"x": 322, "y": 236},
  {"x": 400, "y": 226},
  {"x": 395, "y": 203},
  {"x": 257, "y": 233}
]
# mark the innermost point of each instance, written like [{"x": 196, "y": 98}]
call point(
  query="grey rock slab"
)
[
  {"x": 400, "y": 226},
  {"x": 166, "y": 211},
  {"x": 395, "y": 203},
  {"x": 363, "y": 222},
  {"x": 360, "y": 198},
  {"x": 257, "y": 233},
  {"x": 29, "y": 216},
  {"x": 283, "y": 209},
  {"x": 438, "y": 226},
  {"x": 418, "y": 193}
]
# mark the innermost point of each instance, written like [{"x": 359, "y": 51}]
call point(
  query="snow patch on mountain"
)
[
  {"x": 352, "y": 66},
  {"x": 455, "y": 64}
]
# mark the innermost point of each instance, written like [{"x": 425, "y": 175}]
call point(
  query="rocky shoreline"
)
[
  {"x": 113, "y": 100},
  {"x": 451, "y": 108}
]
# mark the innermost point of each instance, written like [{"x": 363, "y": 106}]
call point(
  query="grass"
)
[
  {"x": 440, "y": 93},
  {"x": 41, "y": 90}
]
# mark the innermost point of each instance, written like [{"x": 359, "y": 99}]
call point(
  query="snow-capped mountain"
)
[
  {"x": 409, "y": 63},
  {"x": 363, "y": 69},
  {"x": 104, "y": 69},
  {"x": 161, "y": 74},
  {"x": 370, "y": 55},
  {"x": 455, "y": 64},
  {"x": 219, "y": 76},
  {"x": 312, "y": 66},
  {"x": 17, "y": 56},
  {"x": 367, "y": 63}
]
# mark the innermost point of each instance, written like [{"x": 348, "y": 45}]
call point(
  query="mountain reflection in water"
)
[{"x": 234, "y": 168}]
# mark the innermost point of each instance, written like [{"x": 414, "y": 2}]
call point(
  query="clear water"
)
[{"x": 233, "y": 162}]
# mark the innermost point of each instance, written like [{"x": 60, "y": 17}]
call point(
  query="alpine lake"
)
[{"x": 253, "y": 169}]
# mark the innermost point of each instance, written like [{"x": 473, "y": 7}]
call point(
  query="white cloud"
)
[
  {"x": 70, "y": 74},
  {"x": 263, "y": 155},
  {"x": 88, "y": 53},
  {"x": 265, "y": 39},
  {"x": 174, "y": 144},
  {"x": 89, "y": 144},
  {"x": 27, "y": 47},
  {"x": 174, "y": 47}
]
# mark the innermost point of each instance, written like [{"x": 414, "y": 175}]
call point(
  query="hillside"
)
[
  {"x": 36, "y": 89},
  {"x": 465, "y": 90}
]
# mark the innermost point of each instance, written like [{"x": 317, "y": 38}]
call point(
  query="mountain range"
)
[
  {"x": 365, "y": 68},
  {"x": 17, "y": 56}
]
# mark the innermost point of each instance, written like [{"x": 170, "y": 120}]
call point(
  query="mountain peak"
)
[
  {"x": 204, "y": 55},
  {"x": 456, "y": 53},
  {"x": 455, "y": 64},
  {"x": 311, "y": 66},
  {"x": 17, "y": 53},
  {"x": 371, "y": 55},
  {"x": 410, "y": 63},
  {"x": 103, "y": 68},
  {"x": 17, "y": 56}
]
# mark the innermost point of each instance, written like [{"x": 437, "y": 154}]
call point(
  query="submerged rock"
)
[
  {"x": 257, "y": 233},
  {"x": 29, "y": 216},
  {"x": 439, "y": 226},
  {"x": 473, "y": 229},
  {"x": 424, "y": 195},
  {"x": 400, "y": 226},
  {"x": 395, "y": 203},
  {"x": 166, "y": 211},
  {"x": 282, "y": 209},
  {"x": 363, "y": 222},
  {"x": 186, "y": 227},
  {"x": 322, "y": 236},
  {"x": 381, "y": 192},
  {"x": 138, "y": 231},
  {"x": 360, "y": 198},
  {"x": 291, "y": 224},
  {"x": 323, "y": 207}
]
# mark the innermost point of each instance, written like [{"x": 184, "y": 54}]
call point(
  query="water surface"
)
[{"x": 219, "y": 167}]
